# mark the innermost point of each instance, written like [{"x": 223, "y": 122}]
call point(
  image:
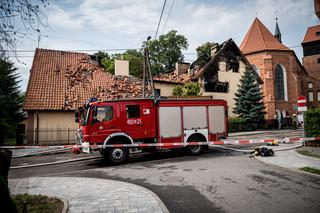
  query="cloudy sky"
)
[{"x": 108, "y": 24}]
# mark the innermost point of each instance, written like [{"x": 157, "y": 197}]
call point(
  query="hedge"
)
[{"x": 312, "y": 122}]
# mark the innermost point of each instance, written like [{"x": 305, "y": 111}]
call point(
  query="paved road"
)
[{"x": 217, "y": 181}]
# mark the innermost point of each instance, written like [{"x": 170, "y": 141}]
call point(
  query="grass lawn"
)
[
  {"x": 308, "y": 153},
  {"x": 10, "y": 142},
  {"x": 311, "y": 170},
  {"x": 38, "y": 203}
]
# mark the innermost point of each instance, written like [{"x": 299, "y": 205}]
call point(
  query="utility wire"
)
[
  {"x": 164, "y": 5},
  {"x": 97, "y": 50},
  {"x": 165, "y": 24},
  {"x": 80, "y": 50}
]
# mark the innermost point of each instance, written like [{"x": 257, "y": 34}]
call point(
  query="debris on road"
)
[{"x": 263, "y": 152}]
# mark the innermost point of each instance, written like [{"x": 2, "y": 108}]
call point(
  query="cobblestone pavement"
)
[{"x": 91, "y": 194}]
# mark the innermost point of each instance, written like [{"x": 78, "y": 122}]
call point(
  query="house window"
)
[
  {"x": 310, "y": 96},
  {"x": 318, "y": 94},
  {"x": 310, "y": 85},
  {"x": 318, "y": 60},
  {"x": 133, "y": 111},
  {"x": 234, "y": 65},
  {"x": 157, "y": 92},
  {"x": 318, "y": 33},
  {"x": 216, "y": 86},
  {"x": 104, "y": 113},
  {"x": 279, "y": 83}
]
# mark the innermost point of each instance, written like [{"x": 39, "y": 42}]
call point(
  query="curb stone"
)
[
  {"x": 65, "y": 205},
  {"x": 161, "y": 204},
  {"x": 56, "y": 162}
]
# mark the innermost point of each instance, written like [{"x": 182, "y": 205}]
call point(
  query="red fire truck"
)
[{"x": 150, "y": 121}]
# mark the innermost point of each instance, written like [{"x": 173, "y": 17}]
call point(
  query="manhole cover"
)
[{"x": 172, "y": 179}]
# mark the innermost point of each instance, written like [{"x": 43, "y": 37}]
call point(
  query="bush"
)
[
  {"x": 189, "y": 89},
  {"x": 236, "y": 124},
  {"x": 312, "y": 122},
  {"x": 177, "y": 90}
]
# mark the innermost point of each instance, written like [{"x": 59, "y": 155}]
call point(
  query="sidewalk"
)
[
  {"x": 292, "y": 160},
  {"x": 91, "y": 194}
]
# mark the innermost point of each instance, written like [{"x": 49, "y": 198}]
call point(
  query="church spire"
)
[{"x": 277, "y": 33}]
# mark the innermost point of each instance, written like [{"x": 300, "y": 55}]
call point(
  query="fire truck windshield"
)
[{"x": 84, "y": 117}]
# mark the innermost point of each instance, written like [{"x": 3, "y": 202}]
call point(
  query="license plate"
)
[{"x": 85, "y": 147}]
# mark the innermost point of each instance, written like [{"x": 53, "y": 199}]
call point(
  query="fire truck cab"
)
[{"x": 150, "y": 121}]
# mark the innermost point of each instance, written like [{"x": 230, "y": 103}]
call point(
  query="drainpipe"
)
[{"x": 37, "y": 135}]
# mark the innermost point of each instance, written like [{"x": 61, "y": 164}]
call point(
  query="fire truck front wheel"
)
[{"x": 117, "y": 155}]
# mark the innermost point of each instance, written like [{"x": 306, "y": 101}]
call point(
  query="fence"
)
[{"x": 49, "y": 136}]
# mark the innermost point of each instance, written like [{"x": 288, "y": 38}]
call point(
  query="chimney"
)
[
  {"x": 121, "y": 67},
  {"x": 182, "y": 68}
]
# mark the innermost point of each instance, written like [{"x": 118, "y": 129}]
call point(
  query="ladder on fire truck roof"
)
[{"x": 148, "y": 85}]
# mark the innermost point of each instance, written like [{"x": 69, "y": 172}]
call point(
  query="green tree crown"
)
[
  {"x": 10, "y": 101},
  {"x": 166, "y": 51}
]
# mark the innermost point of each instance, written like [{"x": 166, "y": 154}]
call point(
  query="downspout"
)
[{"x": 37, "y": 135}]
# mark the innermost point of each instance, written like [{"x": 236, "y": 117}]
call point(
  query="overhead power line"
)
[
  {"x": 165, "y": 23},
  {"x": 164, "y": 5},
  {"x": 77, "y": 50},
  {"x": 97, "y": 50}
]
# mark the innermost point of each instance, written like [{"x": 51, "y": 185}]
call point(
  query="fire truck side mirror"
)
[{"x": 76, "y": 116}]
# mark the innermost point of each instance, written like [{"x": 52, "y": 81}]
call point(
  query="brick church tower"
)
[{"x": 278, "y": 67}]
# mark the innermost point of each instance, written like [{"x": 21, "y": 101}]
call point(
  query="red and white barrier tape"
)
[{"x": 179, "y": 144}]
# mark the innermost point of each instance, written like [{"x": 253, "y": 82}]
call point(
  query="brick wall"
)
[
  {"x": 266, "y": 62},
  {"x": 312, "y": 66}
]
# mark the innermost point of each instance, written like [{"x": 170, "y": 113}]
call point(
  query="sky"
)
[{"x": 84, "y": 25}]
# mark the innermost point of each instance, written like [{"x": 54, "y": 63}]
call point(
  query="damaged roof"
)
[
  {"x": 200, "y": 69},
  {"x": 172, "y": 77},
  {"x": 62, "y": 80}
]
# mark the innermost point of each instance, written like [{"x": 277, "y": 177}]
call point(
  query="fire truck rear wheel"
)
[
  {"x": 195, "y": 149},
  {"x": 117, "y": 155}
]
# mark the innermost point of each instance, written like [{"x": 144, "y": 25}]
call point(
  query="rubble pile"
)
[{"x": 173, "y": 77}]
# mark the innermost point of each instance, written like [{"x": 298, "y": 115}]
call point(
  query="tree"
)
[
  {"x": 166, "y": 51},
  {"x": 10, "y": 101},
  {"x": 17, "y": 17},
  {"x": 204, "y": 52},
  {"x": 188, "y": 89},
  {"x": 134, "y": 57},
  {"x": 249, "y": 104}
]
